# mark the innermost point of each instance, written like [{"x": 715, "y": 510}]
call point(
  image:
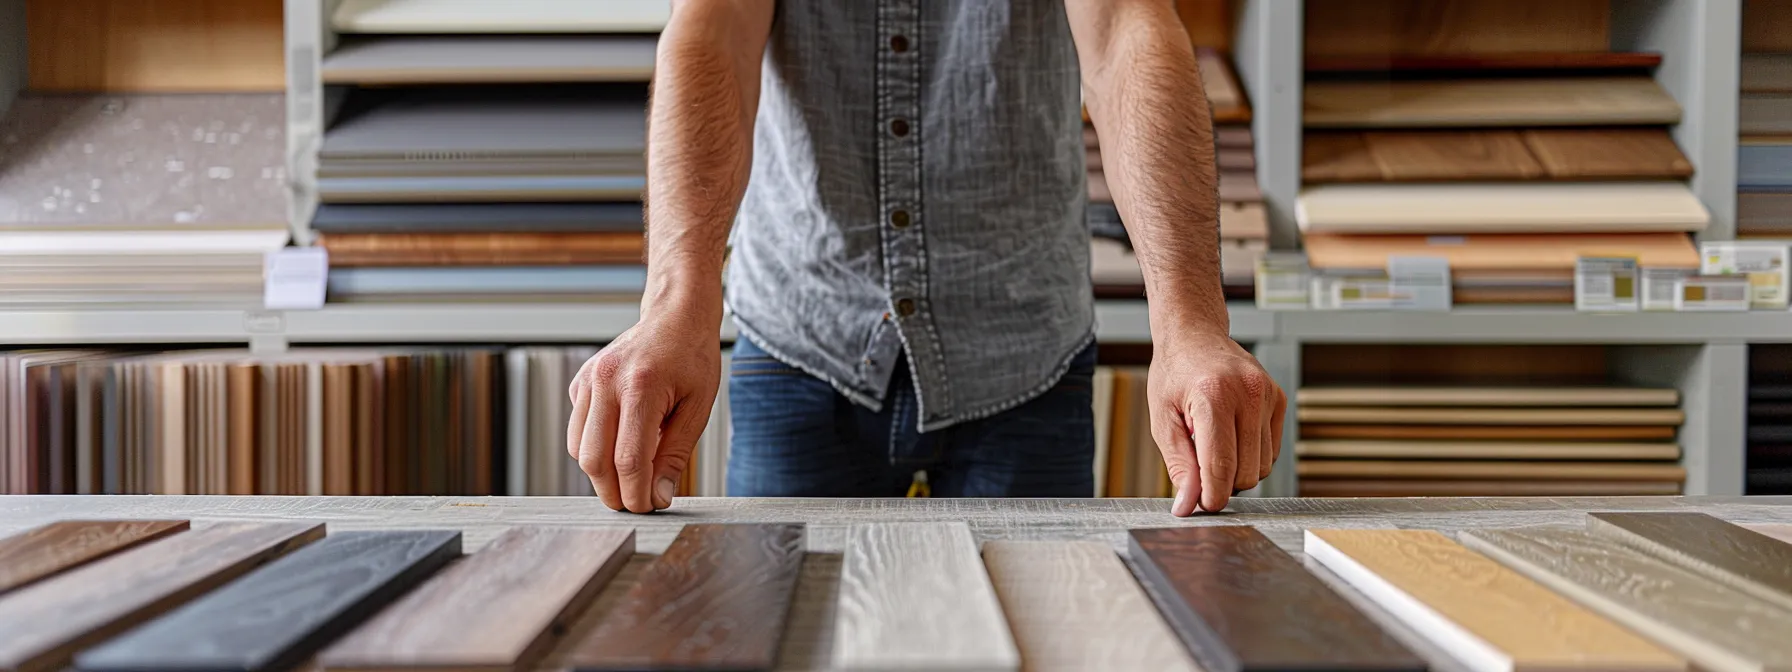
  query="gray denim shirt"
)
[{"x": 918, "y": 187}]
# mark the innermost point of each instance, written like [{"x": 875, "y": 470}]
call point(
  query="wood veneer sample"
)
[
  {"x": 1492, "y": 416},
  {"x": 499, "y": 609},
  {"x": 1230, "y": 136},
  {"x": 1764, "y": 25},
  {"x": 1610, "y": 153},
  {"x": 486, "y": 59},
  {"x": 1583, "y": 61},
  {"x": 155, "y": 46},
  {"x": 1716, "y": 626},
  {"x": 1500, "y": 252},
  {"x": 1780, "y": 532},
  {"x": 1487, "y": 450},
  {"x": 1456, "y": 27},
  {"x": 1563, "y": 101},
  {"x": 1766, "y": 73},
  {"x": 1337, "y": 156},
  {"x": 1223, "y": 92},
  {"x": 1208, "y": 22},
  {"x": 1483, "y": 614},
  {"x": 1761, "y": 212},
  {"x": 1764, "y": 114},
  {"x": 1492, "y": 470},
  {"x": 279, "y": 615},
  {"x": 1241, "y": 603},
  {"x": 1495, "y": 432},
  {"x": 717, "y": 599},
  {"x": 111, "y": 595},
  {"x": 1073, "y": 606},
  {"x": 517, "y": 16},
  {"x": 916, "y": 596},
  {"x": 1364, "y": 487},
  {"x": 1732, "y": 554},
  {"x": 39, "y": 553},
  {"x": 1626, "y": 207},
  {"x": 1486, "y": 396},
  {"x": 482, "y": 249},
  {"x": 1417, "y": 156}
]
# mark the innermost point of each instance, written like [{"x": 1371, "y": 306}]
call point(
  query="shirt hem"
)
[
  {"x": 1022, "y": 398},
  {"x": 875, "y": 404}
]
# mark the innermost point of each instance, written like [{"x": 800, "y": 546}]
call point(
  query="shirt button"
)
[
  {"x": 905, "y": 307},
  {"x": 899, "y": 127},
  {"x": 898, "y": 44},
  {"x": 899, "y": 219}
]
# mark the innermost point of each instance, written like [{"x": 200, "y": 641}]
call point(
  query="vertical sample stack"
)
[
  {"x": 1769, "y": 458},
  {"x": 1482, "y": 421},
  {"x": 1764, "y": 171},
  {"x": 1128, "y": 463},
  {"x": 1502, "y": 136},
  {"x": 480, "y": 151}
]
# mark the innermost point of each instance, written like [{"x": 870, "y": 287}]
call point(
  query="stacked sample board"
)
[
  {"x": 479, "y": 155},
  {"x": 1629, "y": 591},
  {"x": 1764, "y": 171},
  {"x": 1769, "y": 457},
  {"x": 1127, "y": 461},
  {"x": 1505, "y": 137}
]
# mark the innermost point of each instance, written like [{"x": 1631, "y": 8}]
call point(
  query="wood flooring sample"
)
[
  {"x": 1764, "y": 114},
  {"x": 1553, "y": 207},
  {"x": 1456, "y": 27},
  {"x": 1615, "y": 153},
  {"x": 1337, "y": 156},
  {"x": 1764, "y": 25},
  {"x": 109, "y": 596},
  {"x": 1491, "y": 470},
  {"x": 716, "y": 600},
  {"x": 1492, "y": 416},
  {"x": 486, "y": 59},
  {"x": 1767, "y": 73},
  {"x": 1562, "y": 101},
  {"x": 1485, "y": 432},
  {"x": 1221, "y": 86},
  {"x": 39, "y": 553},
  {"x": 1073, "y": 606},
  {"x": 1581, "y": 61},
  {"x": 1488, "y": 450},
  {"x": 1513, "y": 252},
  {"x": 155, "y": 46},
  {"x": 1418, "y": 156},
  {"x": 1486, "y": 396},
  {"x": 482, "y": 249},
  {"x": 1780, "y": 532},
  {"x": 1241, "y": 603},
  {"x": 501, "y": 608},
  {"x": 1487, "y": 616},
  {"x": 1716, "y": 626},
  {"x": 915, "y": 596},
  {"x": 1732, "y": 554},
  {"x": 1363, "y": 487},
  {"x": 279, "y": 615},
  {"x": 515, "y": 16}
]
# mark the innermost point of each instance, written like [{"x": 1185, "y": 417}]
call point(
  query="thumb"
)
[
  {"x": 677, "y": 441},
  {"x": 1178, "y": 449}
]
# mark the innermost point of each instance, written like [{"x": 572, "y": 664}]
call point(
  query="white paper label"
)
[
  {"x": 1284, "y": 281},
  {"x": 295, "y": 278},
  {"x": 1661, "y": 286},
  {"x": 1420, "y": 283},
  {"x": 1763, "y": 263},
  {"x": 1605, "y": 284},
  {"x": 1711, "y": 293}
]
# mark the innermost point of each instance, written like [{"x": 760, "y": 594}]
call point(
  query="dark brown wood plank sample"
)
[
  {"x": 1607, "y": 153},
  {"x": 37, "y": 554},
  {"x": 279, "y": 615},
  {"x": 1484, "y": 63},
  {"x": 499, "y": 609},
  {"x": 1730, "y": 553},
  {"x": 716, "y": 600},
  {"x": 1241, "y": 603},
  {"x": 111, "y": 595}
]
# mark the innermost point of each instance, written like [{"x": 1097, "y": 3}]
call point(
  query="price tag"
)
[
  {"x": 1712, "y": 293},
  {"x": 296, "y": 277},
  {"x": 1762, "y": 262},
  {"x": 1283, "y": 281},
  {"x": 1606, "y": 284},
  {"x": 1660, "y": 287},
  {"x": 1420, "y": 283}
]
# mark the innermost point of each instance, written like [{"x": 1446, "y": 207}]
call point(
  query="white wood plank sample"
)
[
  {"x": 512, "y": 16},
  {"x": 1547, "y": 207},
  {"x": 1074, "y": 606},
  {"x": 915, "y": 596},
  {"x": 1404, "y": 395}
]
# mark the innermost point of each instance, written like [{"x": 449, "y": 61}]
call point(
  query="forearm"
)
[{"x": 1143, "y": 88}]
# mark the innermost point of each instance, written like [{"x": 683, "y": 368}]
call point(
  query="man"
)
[{"x": 909, "y": 272}]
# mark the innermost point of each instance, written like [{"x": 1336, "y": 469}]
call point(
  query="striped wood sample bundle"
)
[
  {"x": 1073, "y": 606},
  {"x": 1553, "y": 207},
  {"x": 155, "y": 46},
  {"x": 716, "y": 600},
  {"x": 1492, "y": 416},
  {"x": 1457, "y": 103},
  {"x": 1241, "y": 603},
  {"x": 1718, "y": 627},
  {"x": 490, "y": 59},
  {"x": 1359, "y": 487},
  {"x": 1488, "y": 450},
  {"x": 106, "y": 597},
  {"x": 1738, "y": 556},
  {"x": 1487, "y": 616},
  {"x": 43, "y": 552},
  {"x": 1486, "y": 432},
  {"x": 1500, "y": 252},
  {"x": 280, "y": 614},
  {"x": 1486, "y": 396},
  {"x": 501, "y": 608},
  {"x": 916, "y": 596},
  {"x": 1491, "y": 470},
  {"x": 482, "y": 249},
  {"x": 1580, "y": 61},
  {"x": 1456, "y": 27},
  {"x": 514, "y": 16}
]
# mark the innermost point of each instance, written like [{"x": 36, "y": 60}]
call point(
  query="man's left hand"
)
[{"x": 1217, "y": 419}]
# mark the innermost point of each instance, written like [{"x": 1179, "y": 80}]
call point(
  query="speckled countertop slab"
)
[{"x": 144, "y": 162}]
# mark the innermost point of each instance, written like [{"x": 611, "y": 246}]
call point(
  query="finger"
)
[
  {"x": 1268, "y": 451},
  {"x": 1249, "y": 426},
  {"x": 597, "y": 446},
  {"x": 1216, "y": 455},
  {"x": 1276, "y": 421},
  {"x": 677, "y": 442},
  {"x": 637, "y": 437},
  {"x": 575, "y": 423}
]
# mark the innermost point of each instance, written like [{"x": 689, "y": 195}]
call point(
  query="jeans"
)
[{"x": 795, "y": 436}]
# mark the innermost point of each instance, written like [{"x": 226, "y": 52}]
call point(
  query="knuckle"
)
[
  {"x": 603, "y": 368},
  {"x": 592, "y": 464},
  {"x": 1210, "y": 387},
  {"x": 637, "y": 379},
  {"x": 1256, "y": 382},
  {"x": 629, "y": 465}
]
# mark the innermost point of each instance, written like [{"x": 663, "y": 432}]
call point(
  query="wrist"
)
[{"x": 688, "y": 293}]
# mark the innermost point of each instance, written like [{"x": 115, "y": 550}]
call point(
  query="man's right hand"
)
[{"x": 640, "y": 405}]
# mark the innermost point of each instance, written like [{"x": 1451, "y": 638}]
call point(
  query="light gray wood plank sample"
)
[
  {"x": 512, "y": 16},
  {"x": 1733, "y": 554},
  {"x": 1780, "y": 532},
  {"x": 1073, "y": 606},
  {"x": 915, "y": 596},
  {"x": 1716, "y": 626},
  {"x": 106, "y": 597},
  {"x": 489, "y": 124},
  {"x": 479, "y": 59}
]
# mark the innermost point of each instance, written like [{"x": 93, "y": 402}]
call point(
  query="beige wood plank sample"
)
[
  {"x": 1491, "y": 470},
  {"x": 1244, "y": 221},
  {"x": 1780, "y": 532},
  {"x": 1563, "y": 101},
  {"x": 1455, "y": 27},
  {"x": 1767, "y": 73},
  {"x": 1224, "y": 95},
  {"x": 1485, "y": 615},
  {"x": 1359, "y": 487},
  {"x": 1745, "y": 559},
  {"x": 106, "y": 597},
  {"x": 1493, "y": 416},
  {"x": 1487, "y": 450},
  {"x": 1500, "y": 252},
  {"x": 1764, "y": 114},
  {"x": 155, "y": 46},
  {"x": 1074, "y": 606},
  {"x": 1487, "y": 396},
  {"x": 1547, "y": 207},
  {"x": 916, "y": 596},
  {"x": 1714, "y": 625}
]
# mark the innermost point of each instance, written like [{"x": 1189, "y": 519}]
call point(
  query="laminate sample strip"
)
[
  {"x": 517, "y": 16},
  {"x": 1487, "y": 616},
  {"x": 1466, "y": 470},
  {"x": 1624, "y": 207},
  {"x": 1573, "y": 154},
  {"x": 1748, "y": 560},
  {"x": 1456, "y": 27},
  {"x": 1495, "y": 432},
  {"x": 1780, "y": 532},
  {"x": 483, "y": 59},
  {"x": 499, "y": 609},
  {"x": 915, "y": 596},
  {"x": 478, "y": 218},
  {"x": 1583, "y": 61},
  {"x": 111, "y": 595},
  {"x": 1565, "y": 101},
  {"x": 1764, "y": 114},
  {"x": 482, "y": 249},
  {"x": 280, "y": 614},
  {"x": 716, "y": 600},
  {"x": 1492, "y": 416},
  {"x": 1241, "y": 603},
  {"x": 1714, "y": 625},
  {"x": 1500, "y": 252},
  {"x": 1767, "y": 73},
  {"x": 1488, "y": 450},
  {"x": 1486, "y": 396},
  {"x": 532, "y": 122},
  {"x": 1073, "y": 606},
  {"x": 1608, "y": 153},
  {"x": 1359, "y": 487},
  {"x": 37, "y": 554}
]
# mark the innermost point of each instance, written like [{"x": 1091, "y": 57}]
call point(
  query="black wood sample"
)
[
  {"x": 1240, "y": 603},
  {"x": 1770, "y": 433},
  {"x": 1723, "y": 551},
  {"x": 279, "y": 615},
  {"x": 716, "y": 600}
]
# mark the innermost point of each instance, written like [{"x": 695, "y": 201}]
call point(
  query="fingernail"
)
[
  {"x": 1181, "y": 503},
  {"x": 664, "y": 492}
]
